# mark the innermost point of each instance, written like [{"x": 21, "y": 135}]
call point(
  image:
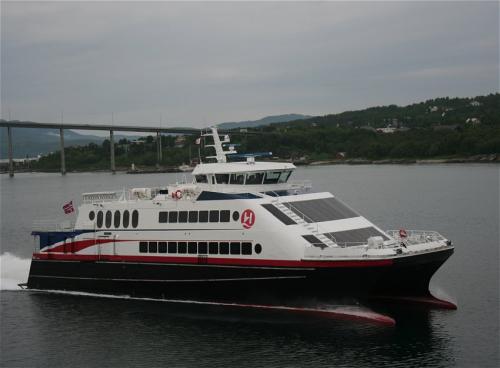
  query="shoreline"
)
[{"x": 482, "y": 159}]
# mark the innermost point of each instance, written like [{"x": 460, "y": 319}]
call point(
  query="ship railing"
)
[
  {"x": 416, "y": 236},
  {"x": 99, "y": 197},
  {"x": 300, "y": 184},
  {"x": 51, "y": 225}
]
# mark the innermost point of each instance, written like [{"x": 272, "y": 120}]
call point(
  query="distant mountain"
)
[
  {"x": 261, "y": 122},
  {"x": 31, "y": 142}
]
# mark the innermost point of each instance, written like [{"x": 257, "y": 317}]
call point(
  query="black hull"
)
[{"x": 405, "y": 277}]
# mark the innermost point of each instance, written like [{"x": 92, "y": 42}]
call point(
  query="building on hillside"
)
[
  {"x": 473, "y": 121},
  {"x": 475, "y": 103}
]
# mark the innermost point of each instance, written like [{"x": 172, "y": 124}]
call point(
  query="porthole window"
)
[
  {"x": 258, "y": 248},
  {"x": 117, "y": 219},
  {"x": 109, "y": 216},
  {"x": 135, "y": 218},
  {"x": 99, "y": 219},
  {"x": 126, "y": 218},
  {"x": 91, "y": 215},
  {"x": 236, "y": 215}
]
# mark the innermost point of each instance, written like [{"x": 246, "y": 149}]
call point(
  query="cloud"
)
[{"x": 197, "y": 63}]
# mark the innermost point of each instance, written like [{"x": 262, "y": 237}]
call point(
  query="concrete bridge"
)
[{"x": 111, "y": 128}]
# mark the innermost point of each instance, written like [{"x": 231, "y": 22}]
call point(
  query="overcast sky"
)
[{"x": 199, "y": 63}]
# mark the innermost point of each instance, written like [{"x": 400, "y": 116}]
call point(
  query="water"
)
[{"x": 460, "y": 201}]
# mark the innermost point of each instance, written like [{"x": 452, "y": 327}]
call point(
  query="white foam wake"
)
[{"x": 13, "y": 271}]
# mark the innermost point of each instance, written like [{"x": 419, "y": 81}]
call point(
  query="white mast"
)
[{"x": 220, "y": 154}]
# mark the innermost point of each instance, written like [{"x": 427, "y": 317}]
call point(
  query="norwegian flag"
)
[{"x": 68, "y": 208}]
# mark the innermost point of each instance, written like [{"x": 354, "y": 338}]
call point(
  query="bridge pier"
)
[
  {"x": 158, "y": 149},
  {"x": 63, "y": 158},
  {"x": 112, "y": 151},
  {"x": 11, "y": 160}
]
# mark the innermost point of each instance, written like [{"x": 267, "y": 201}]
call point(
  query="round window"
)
[
  {"x": 117, "y": 219},
  {"x": 109, "y": 215},
  {"x": 126, "y": 218},
  {"x": 91, "y": 215},
  {"x": 258, "y": 248},
  {"x": 135, "y": 218},
  {"x": 236, "y": 215},
  {"x": 99, "y": 219}
]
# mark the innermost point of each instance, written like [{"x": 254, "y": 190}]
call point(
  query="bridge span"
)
[{"x": 111, "y": 128}]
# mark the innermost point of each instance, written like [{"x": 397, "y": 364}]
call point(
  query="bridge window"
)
[
  {"x": 183, "y": 216},
  {"x": 192, "y": 248},
  {"x": 117, "y": 219},
  {"x": 246, "y": 248},
  {"x": 235, "y": 248},
  {"x": 272, "y": 177},
  {"x": 202, "y": 248},
  {"x": 237, "y": 179},
  {"x": 284, "y": 176},
  {"x": 143, "y": 247},
  {"x": 222, "y": 178},
  {"x": 153, "y": 247},
  {"x": 135, "y": 218},
  {"x": 172, "y": 217},
  {"x": 201, "y": 179},
  {"x": 214, "y": 216},
  {"x": 193, "y": 216},
  {"x": 182, "y": 247},
  {"x": 162, "y": 217},
  {"x": 126, "y": 218},
  {"x": 225, "y": 215},
  {"x": 203, "y": 216},
  {"x": 213, "y": 248},
  {"x": 109, "y": 215},
  {"x": 172, "y": 247},
  {"x": 99, "y": 219},
  {"x": 162, "y": 247},
  {"x": 91, "y": 215},
  {"x": 254, "y": 178}
]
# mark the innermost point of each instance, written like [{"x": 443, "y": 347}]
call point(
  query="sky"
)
[{"x": 195, "y": 64}]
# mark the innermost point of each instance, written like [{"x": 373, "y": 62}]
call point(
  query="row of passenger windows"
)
[
  {"x": 115, "y": 219},
  {"x": 234, "y": 248},
  {"x": 253, "y": 178},
  {"x": 174, "y": 217}
]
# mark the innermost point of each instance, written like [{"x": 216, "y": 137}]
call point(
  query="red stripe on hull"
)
[
  {"x": 81, "y": 244},
  {"x": 214, "y": 260}
]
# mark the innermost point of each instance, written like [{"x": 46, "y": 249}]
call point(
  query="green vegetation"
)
[{"x": 432, "y": 129}]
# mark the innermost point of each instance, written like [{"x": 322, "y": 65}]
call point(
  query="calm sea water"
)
[{"x": 460, "y": 201}]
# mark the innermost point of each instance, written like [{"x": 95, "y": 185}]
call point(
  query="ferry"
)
[{"x": 240, "y": 231}]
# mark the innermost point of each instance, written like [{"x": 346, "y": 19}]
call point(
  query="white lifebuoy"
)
[{"x": 178, "y": 194}]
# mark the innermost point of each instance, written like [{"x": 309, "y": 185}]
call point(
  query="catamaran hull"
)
[{"x": 401, "y": 277}]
